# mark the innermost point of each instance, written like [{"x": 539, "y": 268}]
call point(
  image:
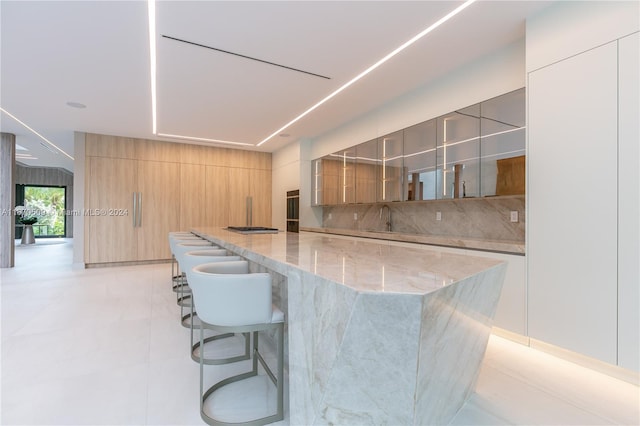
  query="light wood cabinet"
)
[
  {"x": 237, "y": 197},
  {"x": 217, "y": 196},
  {"x": 158, "y": 208},
  {"x": 260, "y": 193},
  {"x": 109, "y": 229},
  {"x": 132, "y": 205},
  {"x": 249, "y": 198},
  {"x": 175, "y": 187},
  {"x": 193, "y": 196}
]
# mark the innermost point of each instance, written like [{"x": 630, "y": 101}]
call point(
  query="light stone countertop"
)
[
  {"x": 509, "y": 247},
  {"x": 362, "y": 264}
]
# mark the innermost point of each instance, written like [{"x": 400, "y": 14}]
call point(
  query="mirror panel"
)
[
  {"x": 317, "y": 183},
  {"x": 503, "y": 148},
  {"x": 419, "y": 149},
  {"x": 475, "y": 151},
  {"x": 346, "y": 166},
  {"x": 390, "y": 167},
  {"x": 366, "y": 181},
  {"x": 458, "y": 153}
]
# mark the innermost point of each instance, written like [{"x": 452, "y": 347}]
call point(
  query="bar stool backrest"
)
[{"x": 226, "y": 294}]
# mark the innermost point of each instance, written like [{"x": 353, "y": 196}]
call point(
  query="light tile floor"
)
[{"x": 105, "y": 346}]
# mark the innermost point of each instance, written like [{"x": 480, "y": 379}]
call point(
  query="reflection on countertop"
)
[{"x": 509, "y": 247}]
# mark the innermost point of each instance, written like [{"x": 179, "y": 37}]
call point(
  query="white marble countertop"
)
[
  {"x": 363, "y": 264},
  {"x": 510, "y": 247}
]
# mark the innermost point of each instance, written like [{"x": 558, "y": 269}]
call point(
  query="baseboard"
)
[
  {"x": 615, "y": 371},
  {"x": 510, "y": 335},
  {"x": 611, "y": 370}
]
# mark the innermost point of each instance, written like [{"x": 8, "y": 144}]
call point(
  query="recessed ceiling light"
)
[
  {"x": 284, "y": 135},
  {"x": 21, "y": 148},
  {"x": 76, "y": 105}
]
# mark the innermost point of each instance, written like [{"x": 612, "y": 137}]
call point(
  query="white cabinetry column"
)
[
  {"x": 628, "y": 211},
  {"x": 572, "y": 221}
]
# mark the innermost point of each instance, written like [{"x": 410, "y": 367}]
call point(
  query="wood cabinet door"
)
[
  {"x": 260, "y": 193},
  {"x": 237, "y": 197},
  {"x": 159, "y": 206},
  {"x": 193, "y": 193},
  {"x": 109, "y": 230},
  {"x": 217, "y": 196}
]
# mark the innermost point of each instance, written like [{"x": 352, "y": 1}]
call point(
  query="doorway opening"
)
[{"x": 48, "y": 205}]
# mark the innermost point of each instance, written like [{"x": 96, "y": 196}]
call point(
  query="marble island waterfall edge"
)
[{"x": 377, "y": 333}]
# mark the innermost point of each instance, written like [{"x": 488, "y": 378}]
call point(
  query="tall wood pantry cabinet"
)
[{"x": 137, "y": 191}]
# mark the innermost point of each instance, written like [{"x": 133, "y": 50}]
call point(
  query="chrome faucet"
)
[{"x": 387, "y": 216}]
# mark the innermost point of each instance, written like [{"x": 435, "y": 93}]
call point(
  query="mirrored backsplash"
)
[{"x": 486, "y": 218}]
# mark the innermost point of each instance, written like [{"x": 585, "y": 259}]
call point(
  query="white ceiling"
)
[{"x": 97, "y": 53}]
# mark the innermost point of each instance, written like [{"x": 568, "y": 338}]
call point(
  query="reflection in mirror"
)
[
  {"x": 503, "y": 144},
  {"x": 366, "y": 159},
  {"x": 458, "y": 153},
  {"x": 346, "y": 161},
  {"x": 420, "y": 161},
  {"x": 317, "y": 183},
  {"x": 390, "y": 170}
]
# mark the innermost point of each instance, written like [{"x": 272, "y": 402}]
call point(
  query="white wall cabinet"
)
[
  {"x": 572, "y": 217},
  {"x": 511, "y": 314}
]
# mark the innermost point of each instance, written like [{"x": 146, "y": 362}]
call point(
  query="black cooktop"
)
[{"x": 252, "y": 230}]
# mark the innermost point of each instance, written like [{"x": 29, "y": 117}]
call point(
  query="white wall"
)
[
  {"x": 285, "y": 176},
  {"x": 581, "y": 235}
]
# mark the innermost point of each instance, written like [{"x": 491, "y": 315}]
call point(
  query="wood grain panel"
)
[
  {"x": 260, "y": 191},
  {"x": 158, "y": 151},
  {"x": 193, "y": 179},
  {"x": 217, "y": 196},
  {"x": 237, "y": 197},
  {"x": 110, "y": 146},
  {"x": 110, "y": 188},
  {"x": 159, "y": 186},
  {"x": 193, "y": 154}
]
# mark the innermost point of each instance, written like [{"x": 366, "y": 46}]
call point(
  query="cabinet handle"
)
[
  {"x": 140, "y": 208},
  {"x": 134, "y": 209},
  {"x": 249, "y": 212}
]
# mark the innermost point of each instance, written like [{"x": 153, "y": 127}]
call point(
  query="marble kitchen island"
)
[{"x": 379, "y": 332}]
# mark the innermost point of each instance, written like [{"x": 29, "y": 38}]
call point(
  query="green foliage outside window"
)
[{"x": 49, "y": 202}]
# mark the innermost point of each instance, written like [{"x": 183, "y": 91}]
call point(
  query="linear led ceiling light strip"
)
[
  {"x": 57, "y": 148},
  {"x": 152, "y": 48}
]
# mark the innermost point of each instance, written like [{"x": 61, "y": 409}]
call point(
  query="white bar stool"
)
[
  {"x": 190, "y": 260},
  {"x": 183, "y": 292},
  {"x": 173, "y": 238},
  {"x": 230, "y": 300}
]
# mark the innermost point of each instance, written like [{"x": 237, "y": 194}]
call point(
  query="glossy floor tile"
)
[{"x": 105, "y": 346}]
